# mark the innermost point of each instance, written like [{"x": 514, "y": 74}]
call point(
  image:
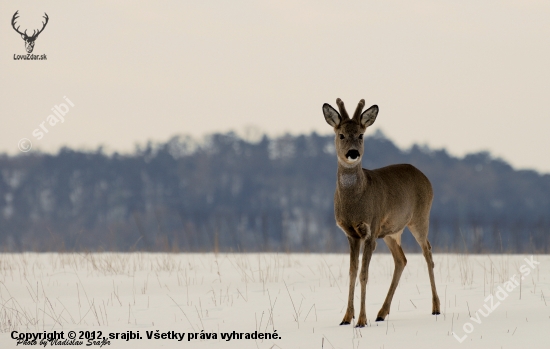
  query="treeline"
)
[{"x": 275, "y": 194}]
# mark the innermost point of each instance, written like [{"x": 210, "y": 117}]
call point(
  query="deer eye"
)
[
  {"x": 361, "y": 136},
  {"x": 342, "y": 136}
]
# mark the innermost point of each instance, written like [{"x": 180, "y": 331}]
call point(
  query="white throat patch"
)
[{"x": 348, "y": 180}]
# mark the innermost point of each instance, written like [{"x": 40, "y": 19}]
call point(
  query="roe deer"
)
[{"x": 372, "y": 204}]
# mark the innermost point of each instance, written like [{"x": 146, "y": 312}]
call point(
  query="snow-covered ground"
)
[{"x": 300, "y": 297}]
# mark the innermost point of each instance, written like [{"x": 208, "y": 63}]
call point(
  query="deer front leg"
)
[
  {"x": 368, "y": 249},
  {"x": 354, "y": 246}
]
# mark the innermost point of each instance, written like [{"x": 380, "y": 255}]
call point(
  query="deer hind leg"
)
[
  {"x": 394, "y": 244},
  {"x": 420, "y": 233},
  {"x": 354, "y": 246}
]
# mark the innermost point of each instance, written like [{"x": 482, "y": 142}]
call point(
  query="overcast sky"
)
[{"x": 465, "y": 75}]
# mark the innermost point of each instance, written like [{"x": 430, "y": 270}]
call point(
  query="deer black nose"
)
[{"x": 352, "y": 154}]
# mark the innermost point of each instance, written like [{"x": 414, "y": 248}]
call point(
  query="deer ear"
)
[
  {"x": 369, "y": 116},
  {"x": 331, "y": 115}
]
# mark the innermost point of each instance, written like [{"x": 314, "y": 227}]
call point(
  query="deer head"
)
[
  {"x": 349, "y": 132},
  {"x": 29, "y": 40}
]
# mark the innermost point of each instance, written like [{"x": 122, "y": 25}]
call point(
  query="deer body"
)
[
  {"x": 373, "y": 204},
  {"x": 380, "y": 199}
]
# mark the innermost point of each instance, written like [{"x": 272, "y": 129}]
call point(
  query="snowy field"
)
[{"x": 298, "y": 298}]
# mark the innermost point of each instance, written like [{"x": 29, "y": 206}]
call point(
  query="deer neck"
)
[{"x": 351, "y": 178}]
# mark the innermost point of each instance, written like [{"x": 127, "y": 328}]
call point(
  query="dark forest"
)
[{"x": 274, "y": 194}]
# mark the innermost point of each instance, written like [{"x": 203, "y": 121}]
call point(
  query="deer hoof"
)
[
  {"x": 359, "y": 325},
  {"x": 344, "y": 323},
  {"x": 379, "y": 318},
  {"x": 435, "y": 313}
]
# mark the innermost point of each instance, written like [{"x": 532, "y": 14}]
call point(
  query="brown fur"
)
[{"x": 372, "y": 204}]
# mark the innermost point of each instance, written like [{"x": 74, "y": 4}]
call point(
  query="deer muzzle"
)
[{"x": 352, "y": 155}]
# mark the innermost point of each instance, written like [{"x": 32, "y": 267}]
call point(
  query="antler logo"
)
[{"x": 29, "y": 40}]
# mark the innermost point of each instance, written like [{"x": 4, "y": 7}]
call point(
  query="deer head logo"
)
[{"x": 29, "y": 40}]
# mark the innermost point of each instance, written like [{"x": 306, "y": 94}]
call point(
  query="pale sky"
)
[{"x": 465, "y": 75}]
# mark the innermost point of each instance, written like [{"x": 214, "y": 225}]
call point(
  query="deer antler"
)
[
  {"x": 13, "y": 19},
  {"x": 43, "y": 25},
  {"x": 34, "y": 33},
  {"x": 342, "y": 108},
  {"x": 359, "y": 109}
]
